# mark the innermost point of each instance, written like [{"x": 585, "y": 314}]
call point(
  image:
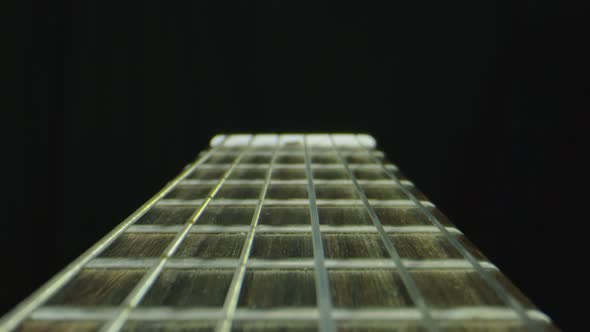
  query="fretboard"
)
[{"x": 283, "y": 232}]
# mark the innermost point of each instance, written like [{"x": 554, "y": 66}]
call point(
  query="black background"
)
[{"x": 481, "y": 104}]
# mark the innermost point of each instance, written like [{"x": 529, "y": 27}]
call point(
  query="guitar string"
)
[
  {"x": 407, "y": 279},
  {"x": 324, "y": 300},
  {"x": 231, "y": 300},
  {"x": 143, "y": 286},
  {"x": 25, "y": 308}
]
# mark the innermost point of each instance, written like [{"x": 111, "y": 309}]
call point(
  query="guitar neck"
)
[{"x": 283, "y": 232}]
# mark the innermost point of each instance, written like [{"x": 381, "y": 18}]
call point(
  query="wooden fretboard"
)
[{"x": 288, "y": 233}]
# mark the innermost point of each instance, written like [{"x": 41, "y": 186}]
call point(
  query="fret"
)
[
  {"x": 289, "y": 160},
  {"x": 285, "y": 263},
  {"x": 287, "y": 228},
  {"x": 319, "y": 202},
  {"x": 207, "y": 241},
  {"x": 283, "y": 232},
  {"x": 219, "y": 169},
  {"x": 472, "y": 319},
  {"x": 299, "y": 182},
  {"x": 188, "y": 314}
]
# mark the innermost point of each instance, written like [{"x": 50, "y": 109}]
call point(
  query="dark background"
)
[{"x": 481, "y": 104}]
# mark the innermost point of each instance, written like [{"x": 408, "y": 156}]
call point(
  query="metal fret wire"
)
[
  {"x": 296, "y": 201},
  {"x": 294, "y": 263},
  {"x": 136, "y": 295},
  {"x": 287, "y": 229},
  {"x": 297, "y": 166},
  {"x": 300, "y": 182},
  {"x": 20, "y": 312},
  {"x": 489, "y": 279},
  {"x": 231, "y": 300},
  {"x": 324, "y": 300},
  {"x": 407, "y": 279},
  {"x": 289, "y": 153},
  {"x": 450, "y": 315}
]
